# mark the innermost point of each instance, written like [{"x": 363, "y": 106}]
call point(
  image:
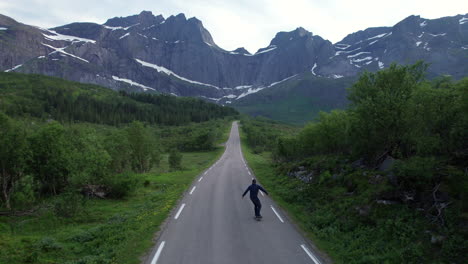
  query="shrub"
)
[
  {"x": 175, "y": 159},
  {"x": 68, "y": 204},
  {"x": 47, "y": 244},
  {"x": 121, "y": 185}
]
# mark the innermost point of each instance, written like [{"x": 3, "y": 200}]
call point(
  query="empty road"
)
[{"x": 213, "y": 224}]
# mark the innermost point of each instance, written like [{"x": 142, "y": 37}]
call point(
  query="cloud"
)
[{"x": 247, "y": 23}]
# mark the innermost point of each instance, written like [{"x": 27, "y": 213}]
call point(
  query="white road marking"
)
[
  {"x": 262, "y": 193},
  {"x": 205, "y": 172},
  {"x": 180, "y": 211},
  {"x": 276, "y": 213},
  {"x": 249, "y": 173},
  {"x": 314, "y": 259},
  {"x": 201, "y": 178},
  {"x": 158, "y": 252},
  {"x": 193, "y": 189}
]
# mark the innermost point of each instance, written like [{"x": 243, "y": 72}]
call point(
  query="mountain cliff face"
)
[{"x": 178, "y": 55}]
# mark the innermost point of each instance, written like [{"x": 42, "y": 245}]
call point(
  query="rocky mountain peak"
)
[
  {"x": 284, "y": 38},
  {"x": 145, "y": 18},
  {"x": 241, "y": 50}
]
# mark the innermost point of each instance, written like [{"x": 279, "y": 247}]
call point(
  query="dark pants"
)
[{"x": 257, "y": 206}]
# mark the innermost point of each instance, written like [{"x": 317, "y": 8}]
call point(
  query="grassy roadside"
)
[
  {"x": 263, "y": 169},
  {"x": 104, "y": 231},
  {"x": 347, "y": 226}
]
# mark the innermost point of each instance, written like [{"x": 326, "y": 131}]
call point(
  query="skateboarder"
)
[{"x": 254, "y": 197}]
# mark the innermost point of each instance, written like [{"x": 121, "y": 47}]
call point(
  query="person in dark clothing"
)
[{"x": 254, "y": 188}]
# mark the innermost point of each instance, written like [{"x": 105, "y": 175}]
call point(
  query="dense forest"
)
[
  {"x": 65, "y": 101},
  {"x": 384, "y": 181},
  {"x": 81, "y": 166},
  {"x": 54, "y": 141}
]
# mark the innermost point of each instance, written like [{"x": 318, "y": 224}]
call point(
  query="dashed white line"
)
[
  {"x": 314, "y": 259},
  {"x": 262, "y": 193},
  {"x": 180, "y": 211},
  {"x": 249, "y": 173},
  {"x": 193, "y": 189},
  {"x": 201, "y": 178},
  {"x": 276, "y": 213},
  {"x": 205, "y": 172},
  {"x": 158, "y": 252}
]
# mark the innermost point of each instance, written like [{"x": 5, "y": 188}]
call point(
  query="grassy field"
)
[{"x": 105, "y": 231}]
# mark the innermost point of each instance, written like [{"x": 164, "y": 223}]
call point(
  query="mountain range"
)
[{"x": 178, "y": 56}]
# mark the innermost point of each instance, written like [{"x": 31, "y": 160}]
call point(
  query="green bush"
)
[
  {"x": 175, "y": 159},
  {"x": 47, "y": 244},
  {"x": 416, "y": 173},
  {"x": 121, "y": 185},
  {"x": 68, "y": 204}
]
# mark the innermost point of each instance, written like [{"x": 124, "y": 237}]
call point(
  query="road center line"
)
[
  {"x": 262, "y": 193},
  {"x": 158, "y": 252},
  {"x": 276, "y": 213},
  {"x": 205, "y": 172},
  {"x": 180, "y": 211},
  {"x": 201, "y": 178},
  {"x": 249, "y": 173},
  {"x": 193, "y": 189},
  {"x": 314, "y": 259}
]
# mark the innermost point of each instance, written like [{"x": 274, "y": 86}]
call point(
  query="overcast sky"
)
[{"x": 241, "y": 23}]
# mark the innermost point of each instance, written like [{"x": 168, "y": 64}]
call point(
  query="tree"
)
[
  {"x": 118, "y": 147},
  {"x": 380, "y": 103},
  {"x": 144, "y": 153},
  {"x": 175, "y": 159},
  {"x": 14, "y": 154},
  {"x": 50, "y": 163}
]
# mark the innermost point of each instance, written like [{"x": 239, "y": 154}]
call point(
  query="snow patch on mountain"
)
[
  {"x": 58, "y": 36},
  {"x": 132, "y": 83},
  {"x": 381, "y": 65},
  {"x": 337, "y": 76},
  {"x": 418, "y": 43},
  {"x": 357, "y": 54},
  {"x": 285, "y": 79},
  {"x": 343, "y": 46},
  {"x": 463, "y": 20},
  {"x": 270, "y": 48},
  {"x": 169, "y": 72},
  {"x": 241, "y": 87},
  {"x": 313, "y": 68},
  {"x": 3, "y": 28},
  {"x": 63, "y": 52},
  {"x": 14, "y": 68},
  {"x": 345, "y": 51},
  {"x": 250, "y": 91},
  {"x": 118, "y": 28},
  {"x": 124, "y": 36},
  {"x": 438, "y": 35},
  {"x": 363, "y": 59},
  {"x": 378, "y": 36},
  {"x": 423, "y": 24}
]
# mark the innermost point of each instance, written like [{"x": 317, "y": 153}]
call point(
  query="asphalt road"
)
[{"x": 213, "y": 224}]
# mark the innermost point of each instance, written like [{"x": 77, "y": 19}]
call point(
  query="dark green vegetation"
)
[
  {"x": 65, "y": 101},
  {"x": 384, "y": 181},
  {"x": 297, "y": 101},
  {"x": 75, "y": 192}
]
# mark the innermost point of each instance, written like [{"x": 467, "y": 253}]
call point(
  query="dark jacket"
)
[{"x": 254, "y": 188}]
